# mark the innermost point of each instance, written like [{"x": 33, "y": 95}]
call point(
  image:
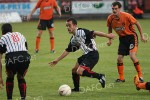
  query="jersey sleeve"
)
[
  {"x": 90, "y": 34},
  {"x": 71, "y": 48},
  {"x": 108, "y": 21},
  {"x": 24, "y": 39},
  {"x": 55, "y": 4},
  {"x": 132, "y": 19},
  {"x": 2, "y": 47},
  {"x": 38, "y": 4}
]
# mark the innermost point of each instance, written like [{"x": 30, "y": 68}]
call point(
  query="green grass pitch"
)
[{"x": 43, "y": 81}]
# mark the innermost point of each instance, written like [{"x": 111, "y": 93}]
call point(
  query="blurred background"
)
[{"x": 83, "y": 9}]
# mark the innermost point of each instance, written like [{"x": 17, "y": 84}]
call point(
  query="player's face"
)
[
  {"x": 115, "y": 10},
  {"x": 71, "y": 27}
]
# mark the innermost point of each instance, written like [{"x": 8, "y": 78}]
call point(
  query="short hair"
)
[
  {"x": 117, "y": 3},
  {"x": 6, "y": 28},
  {"x": 74, "y": 21}
]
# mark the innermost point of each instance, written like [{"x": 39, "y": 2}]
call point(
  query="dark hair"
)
[
  {"x": 117, "y": 3},
  {"x": 74, "y": 21},
  {"x": 6, "y": 28}
]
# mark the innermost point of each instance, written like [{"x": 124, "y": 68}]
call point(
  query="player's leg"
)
[
  {"x": 22, "y": 67},
  {"x": 141, "y": 85},
  {"x": 137, "y": 65},
  {"x": 41, "y": 27},
  {"x": 75, "y": 78},
  {"x": 22, "y": 86},
  {"x": 38, "y": 39},
  {"x": 122, "y": 51},
  {"x": 50, "y": 25},
  {"x": 9, "y": 82},
  {"x": 120, "y": 68},
  {"x": 51, "y": 40},
  {"x": 85, "y": 71},
  {"x": 90, "y": 60},
  {"x": 132, "y": 54},
  {"x": 21, "y": 72}
]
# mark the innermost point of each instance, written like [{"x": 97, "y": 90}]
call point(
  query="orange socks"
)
[
  {"x": 138, "y": 68},
  {"x": 37, "y": 43},
  {"x": 120, "y": 70},
  {"x": 142, "y": 85},
  {"x": 52, "y": 43}
]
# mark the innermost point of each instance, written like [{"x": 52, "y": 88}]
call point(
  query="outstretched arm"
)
[
  {"x": 141, "y": 33},
  {"x": 102, "y": 34},
  {"x": 1, "y": 79},
  {"x": 63, "y": 55}
]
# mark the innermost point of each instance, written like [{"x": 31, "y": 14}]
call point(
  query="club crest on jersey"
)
[{"x": 131, "y": 46}]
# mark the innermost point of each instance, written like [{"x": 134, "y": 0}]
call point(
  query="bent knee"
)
[{"x": 80, "y": 70}]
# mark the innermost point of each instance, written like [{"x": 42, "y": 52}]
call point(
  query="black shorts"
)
[
  {"x": 89, "y": 60},
  {"x": 17, "y": 62},
  {"x": 45, "y": 23},
  {"x": 128, "y": 43}
]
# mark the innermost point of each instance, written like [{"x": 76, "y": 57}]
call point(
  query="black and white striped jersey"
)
[
  {"x": 12, "y": 42},
  {"x": 83, "y": 39}
]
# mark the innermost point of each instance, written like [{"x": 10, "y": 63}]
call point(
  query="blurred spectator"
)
[
  {"x": 66, "y": 7},
  {"x": 137, "y": 12},
  {"x": 136, "y": 8}
]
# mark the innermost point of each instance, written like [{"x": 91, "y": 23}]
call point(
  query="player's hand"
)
[
  {"x": 60, "y": 15},
  {"x": 109, "y": 42},
  {"x": 28, "y": 17},
  {"x": 143, "y": 39},
  {"x": 1, "y": 83},
  {"x": 53, "y": 63},
  {"x": 112, "y": 36}
]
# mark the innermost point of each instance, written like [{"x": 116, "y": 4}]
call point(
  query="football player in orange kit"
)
[
  {"x": 122, "y": 23},
  {"x": 141, "y": 85},
  {"x": 45, "y": 20}
]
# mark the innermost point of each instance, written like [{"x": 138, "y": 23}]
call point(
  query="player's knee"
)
[
  {"x": 21, "y": 81},
  {"x": 39, "y": 34},
  {"x": 20, "y": 76},
  {"x": 79, "y": 71},
  {"x": 10, "y": 79},
  {"x": 74, "y": 70},
  {"x": 133, "y": 58},
  {"x": 120, "y": 60}
]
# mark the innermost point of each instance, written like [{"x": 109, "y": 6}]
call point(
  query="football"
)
[{"x": 64, "y": 90}]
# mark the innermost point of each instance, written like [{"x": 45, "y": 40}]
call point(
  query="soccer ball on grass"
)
[{"x": 64, "y": 90}]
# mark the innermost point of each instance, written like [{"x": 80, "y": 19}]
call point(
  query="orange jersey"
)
[
  {"x": 46, "y": 8},
  {"x": 123, "y": 25}
]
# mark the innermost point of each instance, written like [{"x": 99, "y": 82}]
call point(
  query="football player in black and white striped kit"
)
[
  {"x": 17, "y": 60},
  {"x": 84, "y": 39}
]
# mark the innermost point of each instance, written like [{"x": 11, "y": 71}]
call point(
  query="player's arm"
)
[
  {"x": 57, "y": 8},
  {"x": 30, "y": 15},
  {"x": 1, "y": 79},
  {"x": 63, "y": 55},
  {"x": 110, "y": 40},
  {"x": 102, "y": 34},
  {"x": 141, "y": 33}
]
